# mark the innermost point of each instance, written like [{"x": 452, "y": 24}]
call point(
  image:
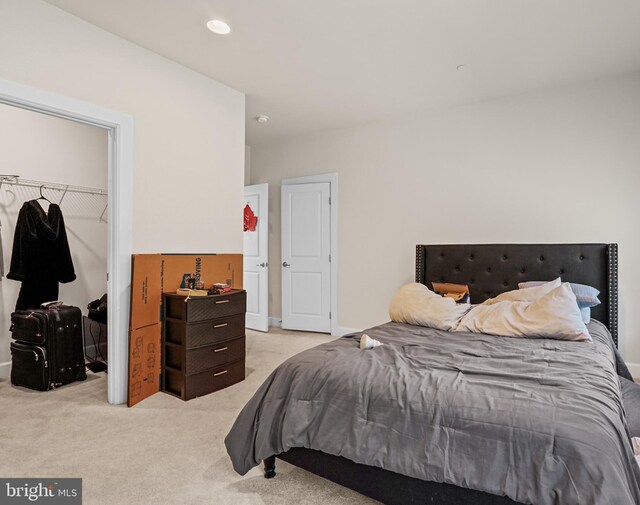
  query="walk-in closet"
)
[{"x": 53, "y": 247}]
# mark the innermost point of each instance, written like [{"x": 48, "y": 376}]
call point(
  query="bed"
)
[{"x": 571, "y": 410}]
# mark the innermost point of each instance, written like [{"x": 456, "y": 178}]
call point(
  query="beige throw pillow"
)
[
  {"x": 555, "y": 315},
  {"x": 415, "y": 304},
  {"x": 526, "y": 294}
]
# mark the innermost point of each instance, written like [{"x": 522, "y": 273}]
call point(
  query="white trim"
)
[
  {"x": 275, "y": 322},
  {"x": 342, "y": 331},
  {"x": 120, "y": 201},
  {"x": 332, "y": 179},
  {"x": 634, "y": 368}
]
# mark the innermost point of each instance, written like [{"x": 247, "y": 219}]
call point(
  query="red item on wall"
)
[{"x": 250, "y": 219}]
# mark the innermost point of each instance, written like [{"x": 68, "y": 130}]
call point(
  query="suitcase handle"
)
[{"x": 52, "y": 305}]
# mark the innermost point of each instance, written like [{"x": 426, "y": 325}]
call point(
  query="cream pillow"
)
[
  {"x": 555, "y": 315},
  {"x": 525, "y": 294},
  {"x": 415, "y": 304}
]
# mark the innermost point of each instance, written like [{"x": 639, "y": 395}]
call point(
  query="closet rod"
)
[{"x": 16, "y": 180}]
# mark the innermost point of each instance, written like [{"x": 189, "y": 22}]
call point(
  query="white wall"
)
[
  {"x": 247, "y": 165},
  {"x": 189, "y": 129},
  {"x": 556, "y": 166},
  {"x": 50, "y": 149}
]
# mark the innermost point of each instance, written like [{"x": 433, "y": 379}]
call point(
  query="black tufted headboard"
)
[{"x": 490, "y": 269}]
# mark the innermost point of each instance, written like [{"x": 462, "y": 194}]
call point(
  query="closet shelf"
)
[{"x": 16, "y": 180}]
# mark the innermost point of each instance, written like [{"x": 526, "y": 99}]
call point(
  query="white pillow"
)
[
  {"x": 555, "y": 315},
  {"x": 525, "y": 294},
  {"x": 415, "y": 304}
]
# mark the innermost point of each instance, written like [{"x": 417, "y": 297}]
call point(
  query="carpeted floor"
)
[{"x": 162, "y": 451}]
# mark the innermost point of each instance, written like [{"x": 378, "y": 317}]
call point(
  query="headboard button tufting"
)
[{"x": 494, "y": 268}]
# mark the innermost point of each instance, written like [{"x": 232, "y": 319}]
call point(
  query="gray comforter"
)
[{"x": 540, "y": 421}]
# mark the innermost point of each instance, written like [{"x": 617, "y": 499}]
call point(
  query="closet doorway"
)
[{"x": 98, "y": 249}]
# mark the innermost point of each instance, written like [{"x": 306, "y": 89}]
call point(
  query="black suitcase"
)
[
  {"x": 29, "y": 366},
  {"x": 48, "y": 351}
]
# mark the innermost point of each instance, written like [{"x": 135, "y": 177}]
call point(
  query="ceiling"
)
[{"x": 319, "y": 64}]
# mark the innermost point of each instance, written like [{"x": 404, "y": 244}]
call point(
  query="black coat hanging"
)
[{"x": 41, "y": 257}]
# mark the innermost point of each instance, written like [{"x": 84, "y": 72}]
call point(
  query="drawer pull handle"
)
[
  {"x": 221, "y": 349},
  {"x": 222, "y": 301},
  {"x": 220, "y": 373},
  {"x": 220, "y": 325}
]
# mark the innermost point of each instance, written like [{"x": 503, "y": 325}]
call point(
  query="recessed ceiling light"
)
[
  {"x": 219, "y": 27},
  {"x": 261, "y": 118},
  {"x": 461, "y": 67}
]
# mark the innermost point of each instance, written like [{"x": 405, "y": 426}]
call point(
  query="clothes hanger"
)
[{"x": 42, "y": 197}]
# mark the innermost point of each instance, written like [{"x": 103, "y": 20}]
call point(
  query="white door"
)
[
  {"x": 256, "y": 255},
  {"x": 306, "y": 248}
]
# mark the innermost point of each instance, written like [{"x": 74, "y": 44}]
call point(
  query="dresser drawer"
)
[
  {"x": 193, "y": 335},
  {"x": 203, "y": 383},
  {"x": 205, "y": 308},
  {"x": 204, "y": 358}
]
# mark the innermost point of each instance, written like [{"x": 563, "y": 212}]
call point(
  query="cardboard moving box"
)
[{"x": 152, "y": 275}]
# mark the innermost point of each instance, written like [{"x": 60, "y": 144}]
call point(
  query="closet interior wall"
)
[{"x": 44, "y": 148}]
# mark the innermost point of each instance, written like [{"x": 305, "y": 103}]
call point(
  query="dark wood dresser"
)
[{"x": 204, "y": 343}]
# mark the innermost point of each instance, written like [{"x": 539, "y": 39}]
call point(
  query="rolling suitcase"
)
[{"x": 48, "y": 351}]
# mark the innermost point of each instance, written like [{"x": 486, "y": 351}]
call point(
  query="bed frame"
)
[{"x": 488, "y": 270}]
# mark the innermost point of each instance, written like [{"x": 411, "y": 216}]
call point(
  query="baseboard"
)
[
  {"x": 342, "y": 331},
  {"x": 275, "y": 322},
  {"x": 634, "y": 368},
  {"x": 5, "y": 370}
]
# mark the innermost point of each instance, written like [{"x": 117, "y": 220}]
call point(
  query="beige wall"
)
[
  {"x": 189, "y": 129},
  {"x": 555, "y": 166},
  {"x": 50, "y": 149}
]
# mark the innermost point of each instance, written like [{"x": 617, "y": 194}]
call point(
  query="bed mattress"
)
[{"x": 537, "y": 420}]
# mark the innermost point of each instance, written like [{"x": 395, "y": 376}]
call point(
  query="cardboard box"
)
[{"x": 152, "y": 275}]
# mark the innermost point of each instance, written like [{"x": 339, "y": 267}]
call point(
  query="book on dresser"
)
[{"x": 204, "y": 343}]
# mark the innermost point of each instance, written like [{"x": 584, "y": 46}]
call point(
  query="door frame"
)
[
  {"x": 332, "y": 179},
  {"x": 120, "y": 129}
]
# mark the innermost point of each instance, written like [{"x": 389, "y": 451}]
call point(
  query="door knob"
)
[
  {"x": 285, "y": 264},
  {"x": 263, "y": 264}
]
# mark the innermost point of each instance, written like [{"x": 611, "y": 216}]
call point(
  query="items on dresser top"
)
[
  {"x": 191, "y": 292},
  {"x": 204, "y": 343}
]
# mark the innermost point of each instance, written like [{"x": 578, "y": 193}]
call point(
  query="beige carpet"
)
[{"x": 164, "y": 450}]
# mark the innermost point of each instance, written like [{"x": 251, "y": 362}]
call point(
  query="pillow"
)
[
  {"x": 555, "y": 315},
  {"x": 585, "y": 313},
  {"x": 525, "y": 295},
  {"x": 415, "y": 304},
  {"x": 587, "y": 296}
]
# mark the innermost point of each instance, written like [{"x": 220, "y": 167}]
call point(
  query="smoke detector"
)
[{"x": 262, "y": 118}]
